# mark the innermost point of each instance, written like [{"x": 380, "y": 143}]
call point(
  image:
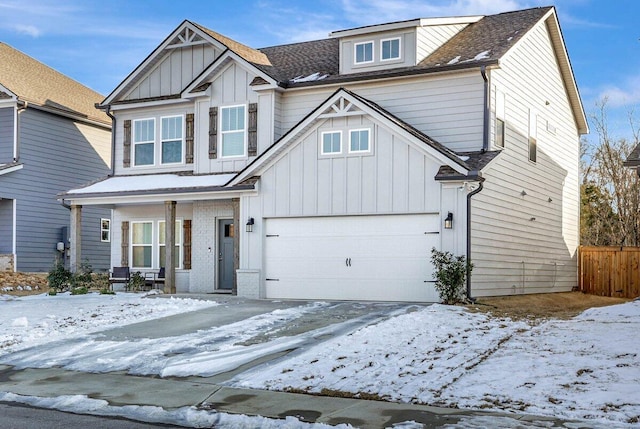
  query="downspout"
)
[
  {"x": 469, "y": 195},
  {"x": 487, "y": 110},
  {"x": 16, "y": 131},
  {"x": 113, "y": 139}
]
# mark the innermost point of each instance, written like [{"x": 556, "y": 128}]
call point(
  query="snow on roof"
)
[
  {"x": 153, "y": 182},
  {"x": 312, "y": 77}
]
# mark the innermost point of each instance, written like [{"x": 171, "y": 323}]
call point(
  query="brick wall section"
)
[{"x": 204, "y": 263}]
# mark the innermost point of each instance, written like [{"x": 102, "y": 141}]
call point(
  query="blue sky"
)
[{"x": 99, "y": 42}]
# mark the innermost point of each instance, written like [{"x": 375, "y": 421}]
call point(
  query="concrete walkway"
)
[{"x": 210, "y": 393}]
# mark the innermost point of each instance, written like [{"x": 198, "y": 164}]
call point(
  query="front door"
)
[{"x": 225, "y": 254}]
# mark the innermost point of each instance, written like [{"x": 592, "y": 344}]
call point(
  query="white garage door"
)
[{"x": 378, "y": 258}]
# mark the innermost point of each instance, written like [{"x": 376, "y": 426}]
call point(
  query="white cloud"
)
[
  {"x": 623, "y": 95},
  {"x": 29, "y": 30}
]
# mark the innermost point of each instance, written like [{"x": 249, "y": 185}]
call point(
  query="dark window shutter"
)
[
  {"x": 126, "y": 146},
  {"x": 189, "y": 138},
  {"x": 252, "y": 148},
  {"x": 186, "y": 242},
  {"x": 124, "y": 244},
  {"x": 213, "y": 132}
]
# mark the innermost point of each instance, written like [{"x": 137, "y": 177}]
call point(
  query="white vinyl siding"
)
[
  {"x": 431, "y": 37},
  {"x": 233, "y": 131},
  {"x": 528, "y": 244},
  {"x": 144, "y": 138}
]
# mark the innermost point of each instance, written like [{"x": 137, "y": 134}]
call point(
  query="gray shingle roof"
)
[
  {"x": 633, "y": 160},
  {"x": 492, "y": 36}
]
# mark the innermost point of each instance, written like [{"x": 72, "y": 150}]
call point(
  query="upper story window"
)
[
  {"x": 363, "y": 52},
  {"x": 233, "y": 128},
  {"x": 390, "y": 49},
  {"x": 500, "y": 119},
  {"x": 169, "y": 149},
  {"x": 172, "y": 137},
  {"x": 144, "y": 141},
  {"x": 359, "y": 140},
  {"x": 331, "y": 142},
  {"x": 533, "y": 136}
]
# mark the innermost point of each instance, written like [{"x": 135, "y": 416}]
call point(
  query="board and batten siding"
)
[
  {"x": 174, "y": 72},
  {"x": 58, "y": 155},
  {"x": 528, "y": 243},
  {"x": 395, "y": 178},
  {"x": 431, "y": 37},
  {"x": 6, "y": 134},
  {"x": 449, "y": 109}
]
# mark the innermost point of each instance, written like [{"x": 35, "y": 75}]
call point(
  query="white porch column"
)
[
  {"x": 75, "y": 238},
  {"x": 170, "y": 244}
]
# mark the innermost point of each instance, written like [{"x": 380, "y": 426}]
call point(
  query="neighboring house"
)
[
  {"x": 51, "y": 139},
  {"x": 633, "y": 160},
  {"x": 330, "y": 169}
]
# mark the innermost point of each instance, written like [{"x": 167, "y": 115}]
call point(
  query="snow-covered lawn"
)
[{"x": 586, "y": 368}]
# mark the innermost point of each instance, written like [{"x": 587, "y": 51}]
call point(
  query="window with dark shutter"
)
[
  {"x": 126, "y": 145},
  {"x": 186, "y": 241},
  {"x": 252, "y": 129},
  {"x": 213, "y": 132},
  {"x": 124, "y": 246},
  {"x": 189, "y": 139}
]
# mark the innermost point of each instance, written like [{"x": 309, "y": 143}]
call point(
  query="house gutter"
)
[
  {"x": 487, "y": 110},
  {"x": 113, "y": 139},
  {"x": 16, "y": 131},
  {"x": 480, "y": 180}
]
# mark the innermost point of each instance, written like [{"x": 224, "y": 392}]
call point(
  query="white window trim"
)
[
  {"x": 322, "y": 134},
  {"x": 158, "y": 245},
  {"x": 399, "y": 57},
  {"x": 500, "y": 116},
  {"x": 533, "y": 135},
  {"x": 355, "y": 52},
  {"x": 134, "y": 143},
  {"x": 183, "y": 139},
  {"x": 108, "y": 230},
  {"x": 131, "y": 244},
  {"x": 368, "y": 142},
  {"x": 244, "y": 131}
]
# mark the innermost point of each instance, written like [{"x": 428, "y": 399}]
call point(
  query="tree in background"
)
[{"x": 610, "y": 192}]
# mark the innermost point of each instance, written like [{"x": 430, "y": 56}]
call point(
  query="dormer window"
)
[
  {"x": 390, "y": 49},
  {"x": 364, "y": 52}
]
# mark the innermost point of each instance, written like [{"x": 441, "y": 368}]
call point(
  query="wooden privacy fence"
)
[{"x": 609, "y": 271}]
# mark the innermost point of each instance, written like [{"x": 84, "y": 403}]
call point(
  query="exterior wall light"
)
[
  {"x": 448, "y": 221},
  {"x": 249, "y": 226}
]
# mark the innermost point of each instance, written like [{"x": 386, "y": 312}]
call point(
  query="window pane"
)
[
  {"x": 359, "y": 141},
  {"x": 142, "y": 256},
  {"x": 533, "y": 149},
  {"x": 171, "y": 151},
  {"x": 142, "y": 233},
  {"x": 233, "y": 118},
  {"x": 172, "y": 128},
  {"x": 144, "y": 154},
  {"x": 233, "y": 144},
  {"x": 390, "y": 49},
  {"x": 364, "y": 52},
  {"x": 162, "y": 235},
  {"x": 331, "y": 143},
  {"x": 105, "y": 236},
  {"x": 143, "y": 131},
  {"x": 499, "y": 133}
]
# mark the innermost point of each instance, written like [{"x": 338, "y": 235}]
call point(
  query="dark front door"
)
[{"x": 225, "y": 254}]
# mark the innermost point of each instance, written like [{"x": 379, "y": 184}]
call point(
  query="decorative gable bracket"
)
[
  {"x": 186, "y": 37},
  {"x": 341, "y": 107}
]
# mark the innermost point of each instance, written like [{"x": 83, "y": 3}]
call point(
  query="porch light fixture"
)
[
  {"x": 249, "y": 226},
  {"x": 448, "y": 221}
]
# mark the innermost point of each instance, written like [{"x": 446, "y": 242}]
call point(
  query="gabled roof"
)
[
  {"x": 40, "y": 85},
  {"x": 436, "y": 149},
  {"x": 633, "y": 160}
]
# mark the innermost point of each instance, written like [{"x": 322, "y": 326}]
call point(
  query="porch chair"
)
[
  {"x": 119, "y": 275},
  {"x": 155, "y": 279}
]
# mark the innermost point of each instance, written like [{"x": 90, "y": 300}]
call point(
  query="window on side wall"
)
[
  {"x": 331, "y": 142},
  {"x": 141, "y": 244},
  {"x": 533, "y": 136},
  {"x": 172, "y": 140},
  {"x": 500, "y": 119},
  {"x": 162, "y": 247},
  {"x": 144, "y": 137},
  {"x": 233, "y": 131},
  {"x": 390, "y": 49},
  {"x": 363, "y": 52},
  {"x": 105, "y": 230},
  {"x": 359, "y": 140}
]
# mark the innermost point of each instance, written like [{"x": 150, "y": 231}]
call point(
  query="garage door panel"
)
[{"x": 382, "y": 258}]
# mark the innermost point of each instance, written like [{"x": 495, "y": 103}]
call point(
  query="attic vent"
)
[{"x": 186, "y": 37}]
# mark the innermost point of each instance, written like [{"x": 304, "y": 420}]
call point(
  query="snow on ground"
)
[
  {"x": 37, "y": 319},
  {"x": 586, "y": 368}
]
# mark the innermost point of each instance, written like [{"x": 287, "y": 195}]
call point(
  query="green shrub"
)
[
  {"x": 136, "y": 281},
  {"x": 82, "y": 290},
  {"x": 59, "y": 277},
  {"x": 106, "y": 291},
  {"x": 82, "y": 278},
  {"x": 450, "y": 275}
]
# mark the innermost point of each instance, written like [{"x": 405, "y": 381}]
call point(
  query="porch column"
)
[
  {"x": 75, "y": 238},
  {"x": 237, "y": 225},
  {"x": 170, "y": 244}
]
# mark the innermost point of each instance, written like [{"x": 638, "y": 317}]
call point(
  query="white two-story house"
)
[{"x": 330, "y": 169}]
